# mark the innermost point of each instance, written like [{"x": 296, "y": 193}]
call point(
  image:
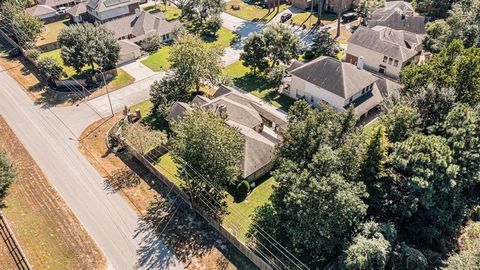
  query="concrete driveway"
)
[{"x": 138, "y": 70}]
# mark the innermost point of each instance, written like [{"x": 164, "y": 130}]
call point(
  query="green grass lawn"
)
[
  {"x": 158, "y": 61},
  {"x": 171, "y": 12},
  {"x": 256, "y": 85},
  {"x": 55, "y": 54},
  {"x": 51, "y": 31},
  {"x": 305, "y": 18},
  {"x": 121, "y": 80},
  {"x": 235, "y": 223},
  {"x": 252, "y": 12}
]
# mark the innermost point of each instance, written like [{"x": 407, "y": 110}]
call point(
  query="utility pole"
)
[{"x": 108, "y": 93}]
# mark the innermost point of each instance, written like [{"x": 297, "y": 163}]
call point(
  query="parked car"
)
[
  {"x": 285, "y": 17},
  {"x": 348, "y": 17}
]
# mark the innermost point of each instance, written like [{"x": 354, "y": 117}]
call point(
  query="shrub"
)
[
  {"x": 243, "y": 188},
  {"x": 50, "y": 67},
  {"x": 151, "y": 43},
  {"x": 214, "y": 24},
  {"x": 33, "y": 54}
]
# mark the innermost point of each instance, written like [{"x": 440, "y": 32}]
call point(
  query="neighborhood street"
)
[{"x": 110, "y": 221}]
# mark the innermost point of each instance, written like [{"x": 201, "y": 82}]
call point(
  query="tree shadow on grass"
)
[{"x": 177, "y": 229}]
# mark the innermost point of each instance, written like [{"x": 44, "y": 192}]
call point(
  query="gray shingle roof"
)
[
  {"x": 78, "y": 9},
  {"x": 142, "y": 26},
  {"x": 339, "y": 78},
  {"x": 54, "y": 3},
  {"x": 392, "y": 17},
  {"x": 39, "y": 10},
  {"x": 104, "y": 5},
  {"x": 393, "y": 43}
]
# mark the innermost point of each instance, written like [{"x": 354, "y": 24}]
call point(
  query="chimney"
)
[
  {"x": 222, "y": 109},
  {"x": 360, "y": 62}
]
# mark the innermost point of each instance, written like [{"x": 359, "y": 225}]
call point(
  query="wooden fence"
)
[
  {"x": 12, "y": 245},
  {"x": 248, "y": 252}
]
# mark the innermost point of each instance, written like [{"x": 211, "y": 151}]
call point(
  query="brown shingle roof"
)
[{"x": 39, "y": 10}]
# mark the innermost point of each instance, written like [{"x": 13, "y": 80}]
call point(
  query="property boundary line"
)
[{"x": 12, "y": 245}]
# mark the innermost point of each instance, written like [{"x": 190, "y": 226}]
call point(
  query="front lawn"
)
[
  {"x": 252, "y": 12},
  {"x": 236, "y": 223},
  {"x": 171, "y": 12},
  {"x": 256, "y": 85},
  {"x": 158, "y": 61},
  {"x": 309, "y": 21},
  {"x": 51, "y": 31},
  {"x": 121, "y": 80}
]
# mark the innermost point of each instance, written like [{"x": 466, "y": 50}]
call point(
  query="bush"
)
[
  {"x": 151, "y": 43},
  {"x": 50, "y": 67},
  {"x": 243, "y": 188},
  {"x": 33, "y": 54},
  {"x": 214, "y": 24}
]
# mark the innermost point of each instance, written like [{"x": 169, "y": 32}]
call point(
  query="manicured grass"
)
[
  {"x": 158, "y": 61},
  {"x": 256, "y": 85},
  {"x": 234, "y": 222},
  {"x": 305, "y": 18},
  {"x": 121, "y": 80},
  {"x": 240, "y": 213},
  {"x": 51, "y": 31},
  {"x": 171, "y": 12},
  {"x": 252, "y": 12},
  {"x": 55, "y": 54},
  {"x": 144, "y": 106}
]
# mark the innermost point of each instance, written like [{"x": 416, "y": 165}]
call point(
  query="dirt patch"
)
[
  {"x": 191, "y": 239},
  {"x": 47, "y": 230}
]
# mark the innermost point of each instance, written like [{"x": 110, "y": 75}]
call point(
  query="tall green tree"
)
[
  {"x": 255, "y": 53},
  {"x": 323, "y": 44},
  {"x": 204, "y": 145},
  {"x": 283, "y": 45},
  {"x": 195, "y": 62},
  {"x": 88, "y": 44},
  {"x": 17, "y": 24},
  {"x": 7, "y": 174},
  {"x": 166, "y": 92}
]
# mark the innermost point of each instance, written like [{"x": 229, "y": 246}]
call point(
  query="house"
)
[
  {"x": 260, "y": 124},
  {"x": 129, "y": 51},
  {"x": 327, "y": 80},
  {"x": 383, "y": 49},
  {"x": 104, "y": 10},
  {"x": 328, "y": 5},
  {"x": 125, "y": 19},
  {"x": 57, "y": 4},
  {"x": 41, "y": 12},
  {"x": 398, "y": 15}
]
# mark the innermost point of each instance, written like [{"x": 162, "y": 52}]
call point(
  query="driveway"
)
[
  {"x": 48, "y": 137},
  {"x": 138, "y": 70}
]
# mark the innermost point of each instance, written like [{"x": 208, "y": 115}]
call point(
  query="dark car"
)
[
  {"x": 285, "y": 17},
  {"x": 348, "y": 17}
]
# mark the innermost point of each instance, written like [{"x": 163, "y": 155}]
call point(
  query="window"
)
[
  {"x": 390, "y": 60},
  {"x": 364, "y": 90},
  {"x": 385, "y": 59},
  {"x": 370, "y": 87},
  {"x": 395, "y": 63},
  {"x": 381, "y": 69}
]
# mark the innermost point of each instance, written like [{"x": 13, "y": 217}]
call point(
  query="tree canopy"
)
[
  {"x": 7, "y": 174},
  {"x": 88, "y": 44},
  {"x": 17, "y": 24}
]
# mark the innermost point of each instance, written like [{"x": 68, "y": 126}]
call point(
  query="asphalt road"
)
[{"x": 49, "y": 136}]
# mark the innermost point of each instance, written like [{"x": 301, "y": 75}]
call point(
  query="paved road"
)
[{"x": 110, "y": 221}]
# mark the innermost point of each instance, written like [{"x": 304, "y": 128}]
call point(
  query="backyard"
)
[
  {"x": 252, "y": 12},
  {"x": 51, "y": 31},
  {"x": 171, "y": 12},
  {"x": 256, "y": 85}
]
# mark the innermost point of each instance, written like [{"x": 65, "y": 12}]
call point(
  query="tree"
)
[
  {"x": 7, "y": 174},
  {"x": 151, "y": 43},
  {"x": 323, "y": 44},
  {"x": 193, "y": 61},
  {"x": 50, "y": 67},
  {"x": 255, "y": 53},
  {"x": 208, "y": 8},
  {"x": 400, "y": 122},
  {"x": 166, "y": 92},
  {"x": 17, "y": 24},
  {"x": 143, "y": 138},
  {"x": 283, "y": 45},
  {"x": 366, "y": 7},
  {"x": 88, "y": 44},
  {"x": 205, "y": 146},
  {"x": 276, "y": 75},
  {"x": 462, "y": 23},
  {"x": 214, "y": 24}
]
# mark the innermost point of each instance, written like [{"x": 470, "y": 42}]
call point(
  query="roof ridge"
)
[{"x": 343, "y": 80}]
